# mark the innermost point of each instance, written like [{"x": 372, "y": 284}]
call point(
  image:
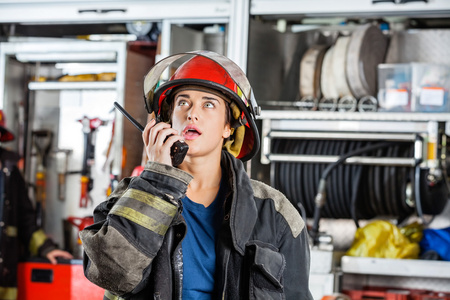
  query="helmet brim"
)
[
  {"x": 6, "y": 135},
  {"x": 152, "y": 79}
]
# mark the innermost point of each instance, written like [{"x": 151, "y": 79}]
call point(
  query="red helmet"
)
[
  {"x": 212, "y": 71},
  {"x": 6, "y": 135}
]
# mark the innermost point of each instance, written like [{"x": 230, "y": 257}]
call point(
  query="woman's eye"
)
[{"x": 182, "y": 102}]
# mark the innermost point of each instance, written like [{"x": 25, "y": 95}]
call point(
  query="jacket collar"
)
[{"x": 243, "y": 210}]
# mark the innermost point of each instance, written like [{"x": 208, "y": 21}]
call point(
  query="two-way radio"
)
[{"x": 178, "y": 150}]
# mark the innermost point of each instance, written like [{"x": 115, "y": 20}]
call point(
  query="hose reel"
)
[{"x": 356, "y": 191}]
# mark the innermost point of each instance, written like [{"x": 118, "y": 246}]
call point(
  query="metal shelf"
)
[
  {"x": 109, "y": 11},
  {"x": 346, "y": 8},
  {"x": 347, "y": 125},
  {"x": 395, "y": 267},
  {"x": 354, "y": 116},
  {"x": 94, "y": 85}
]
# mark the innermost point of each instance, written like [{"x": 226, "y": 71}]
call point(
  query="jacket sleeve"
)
[
  {"x": 297, "y": 254},
  {"x": 130, "y": 226}
]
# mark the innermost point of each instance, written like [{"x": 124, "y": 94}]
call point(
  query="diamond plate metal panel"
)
[{"x": 424, "y": 45}]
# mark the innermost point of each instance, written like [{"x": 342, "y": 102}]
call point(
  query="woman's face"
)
[{"x": 200, "y": 117}]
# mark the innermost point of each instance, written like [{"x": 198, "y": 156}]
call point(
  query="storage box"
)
[
  {"x": 40, "y": 280},
  {"x": 394, "y": 87},
  {"x": 431, "y": 85},
  {"x": 414, "y": 87}
]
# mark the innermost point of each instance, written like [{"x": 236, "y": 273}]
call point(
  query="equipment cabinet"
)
[
  {"x": 300, "y": 139},
  {"x": 49, "y": 90}
]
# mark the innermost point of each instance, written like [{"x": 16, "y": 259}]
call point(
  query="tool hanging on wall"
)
[
  {"x": 62, "y": 162},
  {"x": 114, "y": 178},
  {"x": 42, "y": 141},
  {"x": 90, "y": 127}
]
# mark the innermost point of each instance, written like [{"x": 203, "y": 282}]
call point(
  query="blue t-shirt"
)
[{"x": 199, "y": 254}]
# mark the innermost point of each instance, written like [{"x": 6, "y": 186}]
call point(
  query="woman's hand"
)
[
  {"x": 52, "y": 255},
  {"x": 156, "y": 145}
]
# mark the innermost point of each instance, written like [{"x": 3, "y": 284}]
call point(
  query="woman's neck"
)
[{"x": 207, "y": 175}]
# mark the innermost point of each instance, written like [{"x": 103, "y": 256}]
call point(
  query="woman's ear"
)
[{"x": 227, "y": 131}]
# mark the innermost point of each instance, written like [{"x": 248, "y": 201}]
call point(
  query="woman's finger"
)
[{"x": 145, "y": 133}]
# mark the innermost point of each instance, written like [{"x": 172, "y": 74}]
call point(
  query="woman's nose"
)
[{"x": 192, "y": 114}]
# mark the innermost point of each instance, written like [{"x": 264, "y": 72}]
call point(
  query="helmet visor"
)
[{"x": 152, "y": 79}]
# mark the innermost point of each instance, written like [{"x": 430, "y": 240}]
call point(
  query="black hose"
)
[
  {"x": 275, "y": 170},
  {"x": 327, "y": 210},
  {"x": 417, "y": 196},
  {"x": 320, "y": 198},
  {"x": 301, "y": 210},
  {"x": 357, "y": 178},
  {"x": 349, "y": 183},
  {"x": 417, "y": 192},
  {"x": 387, "y": 184},
  {"x": 291, "y": 179},
  {"x": 379, "y": 201},
  {"x": 299, "y": 178},
  {"x": 353, "y": 153},
  {"x": 393, "y": 173},
  {"x": 307, "y": 185},
  {"x": 341, "y": 182},
  {"x": 327, "y": 150},
  {"x": 317, "y": 170}
]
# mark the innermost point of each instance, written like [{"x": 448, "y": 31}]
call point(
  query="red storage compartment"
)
[
  {"x": 40, "y": 280},
  {"x": 430, "y": 296},
  {"x": 385, "y": 293},
  {"x": 377, "y": 294}
]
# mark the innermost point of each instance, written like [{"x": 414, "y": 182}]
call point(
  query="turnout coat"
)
[
  {"x": 20, "y": 237},
  {"x": 133, "y": 249}
]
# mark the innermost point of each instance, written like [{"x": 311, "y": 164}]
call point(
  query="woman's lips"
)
[
  {"x": 191, "y": 135},
  {"x": 191, "y": 132}
]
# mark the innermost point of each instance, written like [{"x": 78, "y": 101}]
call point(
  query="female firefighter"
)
[{"x": 203, "y": 229}]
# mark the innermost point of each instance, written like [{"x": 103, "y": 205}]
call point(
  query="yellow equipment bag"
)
[{"x": 385, "y": 240}]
